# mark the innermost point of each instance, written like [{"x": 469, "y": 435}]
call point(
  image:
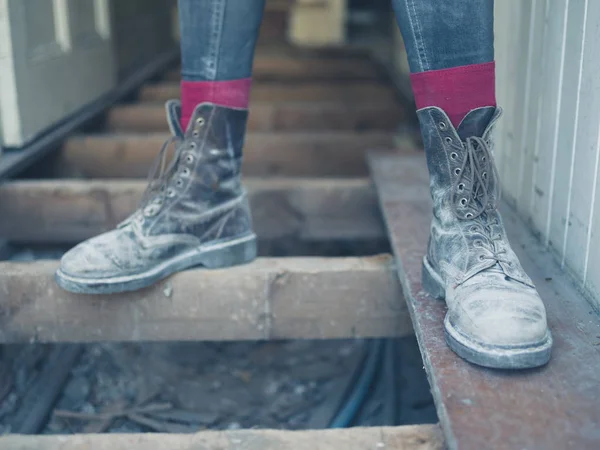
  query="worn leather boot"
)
[
  {"x": 195, "y": 213},
  {"x": 495, "y": 316}
]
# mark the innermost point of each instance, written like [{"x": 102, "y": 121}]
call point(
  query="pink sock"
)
[
  {"x": 457, "y": 90},
  {"x": 232, "y": 94}
]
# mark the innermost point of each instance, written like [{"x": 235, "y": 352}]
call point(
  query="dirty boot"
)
[
  {"x": 495, "y": 316},
  {"x": 195, "y": 213}
]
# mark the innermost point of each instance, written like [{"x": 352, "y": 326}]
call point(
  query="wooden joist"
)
[
  {"x": 271, "y": 298},
  {"x": 291, "y": 154},
  {"x": 349, "y": 93},
  {"x": 554, "y": 407},
  {"x": 409, "y": 437},
  {"x": 307, "y": 69},
  {"x": 69, "y": 211},
  {"x": 271, "y": 116}
]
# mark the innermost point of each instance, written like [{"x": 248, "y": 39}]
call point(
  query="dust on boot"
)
[
  {"x": 495, "y": 316},
  {"x": 195, "y": 213}
]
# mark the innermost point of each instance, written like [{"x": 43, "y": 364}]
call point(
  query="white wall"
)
[{"x": 548, "y": 144}]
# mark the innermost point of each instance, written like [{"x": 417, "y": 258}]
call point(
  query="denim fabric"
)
[
  {"x": 440, "y": 34},
  {"x": 218, "y": 38}
]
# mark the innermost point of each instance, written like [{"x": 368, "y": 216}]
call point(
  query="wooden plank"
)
[
  {"x": 270, "y": 116},
  {"x": 291, "y": 154},
  {"x": 307, "y": 69},
  {"x": 567, "y": 138},
  {"x": 349, "y": 92},
  {"x": 582, "y": 230},
  {"x": 552, "y": 407},
  {"x": 544, "y": 168},
  {"x": 409, "y": 437},
  {"x": 69, "y": 211},
  {"x": 271, "y": 298}
]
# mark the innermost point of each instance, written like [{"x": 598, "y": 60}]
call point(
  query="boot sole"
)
[
  {"x": 224, "y": 254},
  {"x": 496, "y": 357}
]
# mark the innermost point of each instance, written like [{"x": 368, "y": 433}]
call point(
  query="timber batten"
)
[
  {"x": 130, "y": 155},
  {"x": 275, "y": 116},
  {"x": 69, "y": 211},
  {"x": 271, "y": 298},
  {"x": 409, "y": 437}
]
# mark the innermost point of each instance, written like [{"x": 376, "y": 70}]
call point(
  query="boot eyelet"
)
[
  {"x": 461, "y": 187},
  {"x": 189, "y": 159},
  {"x": 483, "y": 159},
  {"x": 468, "y": 215},
  {"x": 185, "y": 172},
  {"x": 484, "y": 175},
  {"x": 170, "y": 193},
  {"x": 200, "y": 121},
  {"x": 442, "y": 125},
  {"x": 457, "y": 171},
  {"x": 474, "y": 229},
  {"x": 453, "y": 155},
  {"x": 481, "y": 257},
  {"x": 478, "y": 243},
  {"x": 151, "y": 210},
  {"x": 193, "y": 145},
  {"x": 179, "y": 182},
  {"x": 448, "y": 140},
  {"x": 463, "y": 201},
  {"x": 196, "y": 133}
]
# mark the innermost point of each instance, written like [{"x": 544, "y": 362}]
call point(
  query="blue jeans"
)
[{"x": 218, "y": 36}]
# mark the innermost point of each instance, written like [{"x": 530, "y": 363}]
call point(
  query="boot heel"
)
[
  {"x": 431, "y": 282},
  {"x": 240, "y": 251}
]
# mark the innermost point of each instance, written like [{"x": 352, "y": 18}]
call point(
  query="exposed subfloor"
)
[{"x": 190, "y": 386}]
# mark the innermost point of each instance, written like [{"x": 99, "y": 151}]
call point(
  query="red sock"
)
[
  {"x": 457, "y": 90},
  {"x": 232, "y": 94}
]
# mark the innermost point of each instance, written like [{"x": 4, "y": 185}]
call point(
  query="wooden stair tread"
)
[
  {"x": 270, "y": 298},
  {"x": 409, "y": 437},
  {"x": 131, "y": 155},
  {"x": 306, "y": 69},
  {"x": 556, "y": 406},
  {"x": 70, "y": 211},
  {"x": 348, "y": 92},
  {"x": 272, "y": 116}
]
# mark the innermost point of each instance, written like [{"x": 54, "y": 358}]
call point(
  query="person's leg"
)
[
  {"x": 195, "y": 213},
  {"x": 218, "y": 38},
  {"x": 450, "y": 48},
  {"x": 495, "y": 316}
]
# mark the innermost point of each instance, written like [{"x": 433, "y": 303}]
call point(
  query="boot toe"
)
[
  {"x": 103, "y": 256},
  {"x": 87, "y": 261},
  {"x": 501, "y": 317}
]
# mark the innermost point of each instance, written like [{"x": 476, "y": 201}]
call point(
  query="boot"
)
[
  {"x": 495, "y": 316},
  {"x": 195, "y": 213}
]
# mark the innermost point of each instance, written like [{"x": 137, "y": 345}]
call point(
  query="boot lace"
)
[
  {"x": 160, "y": 175},
  {"x": 481, "y": 198}
]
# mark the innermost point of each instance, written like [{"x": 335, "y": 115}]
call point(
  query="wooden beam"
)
[
  {"x": 69, "y": 211},
  {"x": 291, "y": 154},
  {"x": 408, "y": 437},
  {"x": 307, "y": 69},
  {"x": 271, "y": 298},
  {"x": 349, "y": 92},
  {"x": 271, "y": 116},
  {"x": 555, "y": 406}
]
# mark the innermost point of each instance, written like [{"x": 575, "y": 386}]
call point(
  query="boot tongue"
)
[
  {"x": 475, "y": 122},
  {"x": 173, "y": 108}
]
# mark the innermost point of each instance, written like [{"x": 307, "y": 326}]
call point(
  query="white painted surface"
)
[
  {"x": 55, "y": 57},
  {"x": 548, "y": 146}
]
